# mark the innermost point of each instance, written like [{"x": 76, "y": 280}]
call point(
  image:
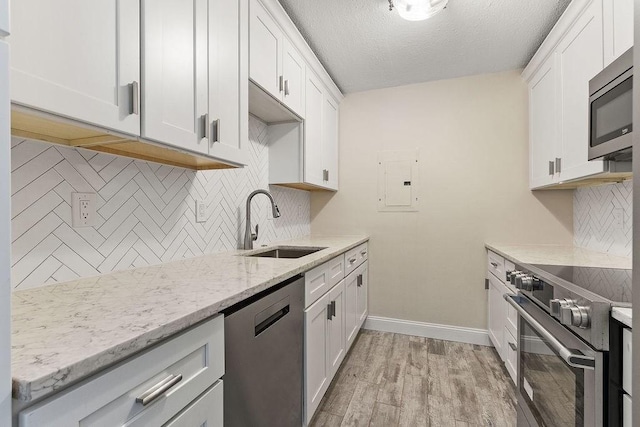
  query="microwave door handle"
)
[{"x": 576, "y": 360}]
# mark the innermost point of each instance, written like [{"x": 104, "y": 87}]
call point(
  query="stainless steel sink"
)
[{"x": 286, "y": 252}]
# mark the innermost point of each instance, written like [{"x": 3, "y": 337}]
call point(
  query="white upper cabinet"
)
[
  {"x": 175, "y": 87},
  {"x": 275, "y": 63},
  {"x": 4, "y": 17},
  {"x": 293, "y": 71},
  {"x": 589, "y": 35},
  {"x": 618, "y": 28},
  {"x": 85, "y": 66},
  {"x": 330, "y": 143},
  {"x": 227, "y": 121},
  {"x": 543, "y": 127},
  {"x": 265, "y": 47},
  {"x": 313, "y": 158},
  {"x": 580, "y": 58}
]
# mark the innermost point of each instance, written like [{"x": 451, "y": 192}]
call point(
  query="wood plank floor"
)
[{"x": 399, "y": 380}]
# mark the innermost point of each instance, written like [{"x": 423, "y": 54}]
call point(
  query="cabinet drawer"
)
[
  {"x": 627, "y": 358},
  {"x": 355, "y": 257},
  {"x": 511, "y": 353},
  {"x": 627, "y": 411},
  {"x": 111, "y": 398},
  {"x": 208, "y": 410},
  {"x": 336, "y": 270},
  {"x": 316, "y": 283},
  {"x": 495, "y": 264}
]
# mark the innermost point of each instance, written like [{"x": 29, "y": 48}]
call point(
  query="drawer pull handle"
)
[
  {"x": 513, "y": 346},
  {"x": 359, "y": 280},
  {"x": 363, "y": 253},
  {"x": 159, "y": 389},
  {"x": 352, "y": 260},
  {"x": 495, "y": 264}
]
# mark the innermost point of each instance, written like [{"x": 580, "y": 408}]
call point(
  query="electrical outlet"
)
[
  {"x": 618, "y": 219},
  {"x": 83, "y": 209},
  {"x": 201, "y": 211}
]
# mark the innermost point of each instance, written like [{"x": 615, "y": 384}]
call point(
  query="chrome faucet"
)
[{"x": 250, "y": 237}]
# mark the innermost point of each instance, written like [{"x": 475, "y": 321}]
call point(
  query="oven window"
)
[{"x": 553, "y": 390}]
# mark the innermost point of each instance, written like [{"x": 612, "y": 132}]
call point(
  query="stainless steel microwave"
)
[{"x": 611, "y": 110}]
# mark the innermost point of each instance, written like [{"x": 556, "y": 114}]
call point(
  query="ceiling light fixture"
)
[{"x": 417, "y": 10}]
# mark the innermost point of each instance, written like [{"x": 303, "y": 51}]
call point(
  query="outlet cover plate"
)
[
  {"x": 83, "y": 209},
  {"x": 201, "y": 211}
]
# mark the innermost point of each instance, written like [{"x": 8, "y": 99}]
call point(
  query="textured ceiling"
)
[{"x": 364, "y": 46}]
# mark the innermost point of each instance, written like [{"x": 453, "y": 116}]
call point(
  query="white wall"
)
[
  {"x": 471, "y": 132},
  {"x": 146, "y": 211},
  {"x": 594, "y": 222}
]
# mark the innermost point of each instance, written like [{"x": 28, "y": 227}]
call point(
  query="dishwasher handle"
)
[{"x": 270, "y": 315}]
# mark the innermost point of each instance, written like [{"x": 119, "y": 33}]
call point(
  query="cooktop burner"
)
[{"x": 613, "y": 284}]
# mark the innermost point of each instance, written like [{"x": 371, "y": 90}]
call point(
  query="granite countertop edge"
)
[
  {"x": 27, "y": 388},
  {"x": 624, "y": 315}
]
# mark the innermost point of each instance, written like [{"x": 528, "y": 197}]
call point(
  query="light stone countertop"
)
[
  {"x": 559, "y": 255},
  {"x": 623, "y": 315},
  {"x": 66, "y": 332}
]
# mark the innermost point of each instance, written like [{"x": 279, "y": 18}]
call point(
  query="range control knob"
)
[
  {"x": 518, "y": 282},
  {"x": 556, "y": 306},
  {"x": 580, "y": 316},
  {"x": 527, "y": 283},
  {"x": 512, "y": 276}
]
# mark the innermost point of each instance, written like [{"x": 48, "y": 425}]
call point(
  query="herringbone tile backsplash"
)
[
  {"x": 594, "y": 224},
  {"x": 145, "y": 211}
]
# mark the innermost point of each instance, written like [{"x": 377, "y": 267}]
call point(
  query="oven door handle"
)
[{"x": 573, "y": 359}]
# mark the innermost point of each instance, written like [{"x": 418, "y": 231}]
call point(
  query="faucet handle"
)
[{"x": 254, "y": 236}]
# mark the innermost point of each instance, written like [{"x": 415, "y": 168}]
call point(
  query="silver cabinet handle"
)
[
  {"x": 216, "y": 137},
  {"x": 558, "y": 164},
  {"x": 286, "y": 87},
  {"x": 352, "y": 260},
  {"x": 363, "y": 253},
  {"x": 330, "y": 311},
  {"x": 205, "y": 125},
  {"x": 359, "y": 280},
  {"x": 281, "y": 83},
  {"x": 573, "y": 359},
  {"x": 495, "y": 264},
  {"x": 159, "y": 389},
  {"x": 552, "y": 167},
  {"x": 135, "y": 98},
  {"x": 333, "y": 308},
  {"x": 513, "y": 346}
]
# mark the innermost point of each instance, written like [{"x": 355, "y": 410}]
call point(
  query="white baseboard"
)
[{"x": 429, "y": 330}]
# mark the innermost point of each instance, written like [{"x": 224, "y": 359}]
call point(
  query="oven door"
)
[{"x": 560, "y": 378}]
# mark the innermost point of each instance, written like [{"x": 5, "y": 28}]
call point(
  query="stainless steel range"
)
[{"x": 563, "y": 341}]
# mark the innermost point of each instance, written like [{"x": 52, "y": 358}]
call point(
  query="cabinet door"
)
[
  {"x": 337, "y": 328},
  {"x": 543, "y": 124},
  {"x": 330, "y": 143},
  {"x": 174, "y": 57},
  {"x": 496, "y": 314},
  {"x": 316, "y": 337},
  {"x": 265, "y": 50},
  {"x": 207, "y": 410},
  {"x": 4, "y": 17},
  {"x": 83, "y": 66},
  {"x": 293, "y": 70},
  {"x": 580, "y": 58},
  {"x": 510, "y": 346},
  {"x": 363, "y": 291},
  {"x": 313, "y": 157},
  {"x": 352, "y": 325},
  {"x": 618, "y": 28},
  {"x": 227, "y": 122}
]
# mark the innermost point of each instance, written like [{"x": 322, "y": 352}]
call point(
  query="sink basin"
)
[{"x": 286, "y": 252}]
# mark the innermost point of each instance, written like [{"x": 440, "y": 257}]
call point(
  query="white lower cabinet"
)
[
  {"x": 502, "y": 322},
  {"x": 332, "y": 323},
  {"x": 317, "y": 364},
  {"x": 179, "y": 370}
]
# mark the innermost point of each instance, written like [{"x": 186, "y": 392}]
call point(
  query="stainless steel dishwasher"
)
[{"x": 263, "y": 356}]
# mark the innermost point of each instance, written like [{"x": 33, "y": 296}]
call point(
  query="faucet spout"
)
[{"x": 249, "y": 236}]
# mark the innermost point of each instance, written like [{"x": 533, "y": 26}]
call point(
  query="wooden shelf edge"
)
[
  {"x": 36, "y": 125},
  {"x": 593, "y": 181},
  {"x": 303, "y": 186}
]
